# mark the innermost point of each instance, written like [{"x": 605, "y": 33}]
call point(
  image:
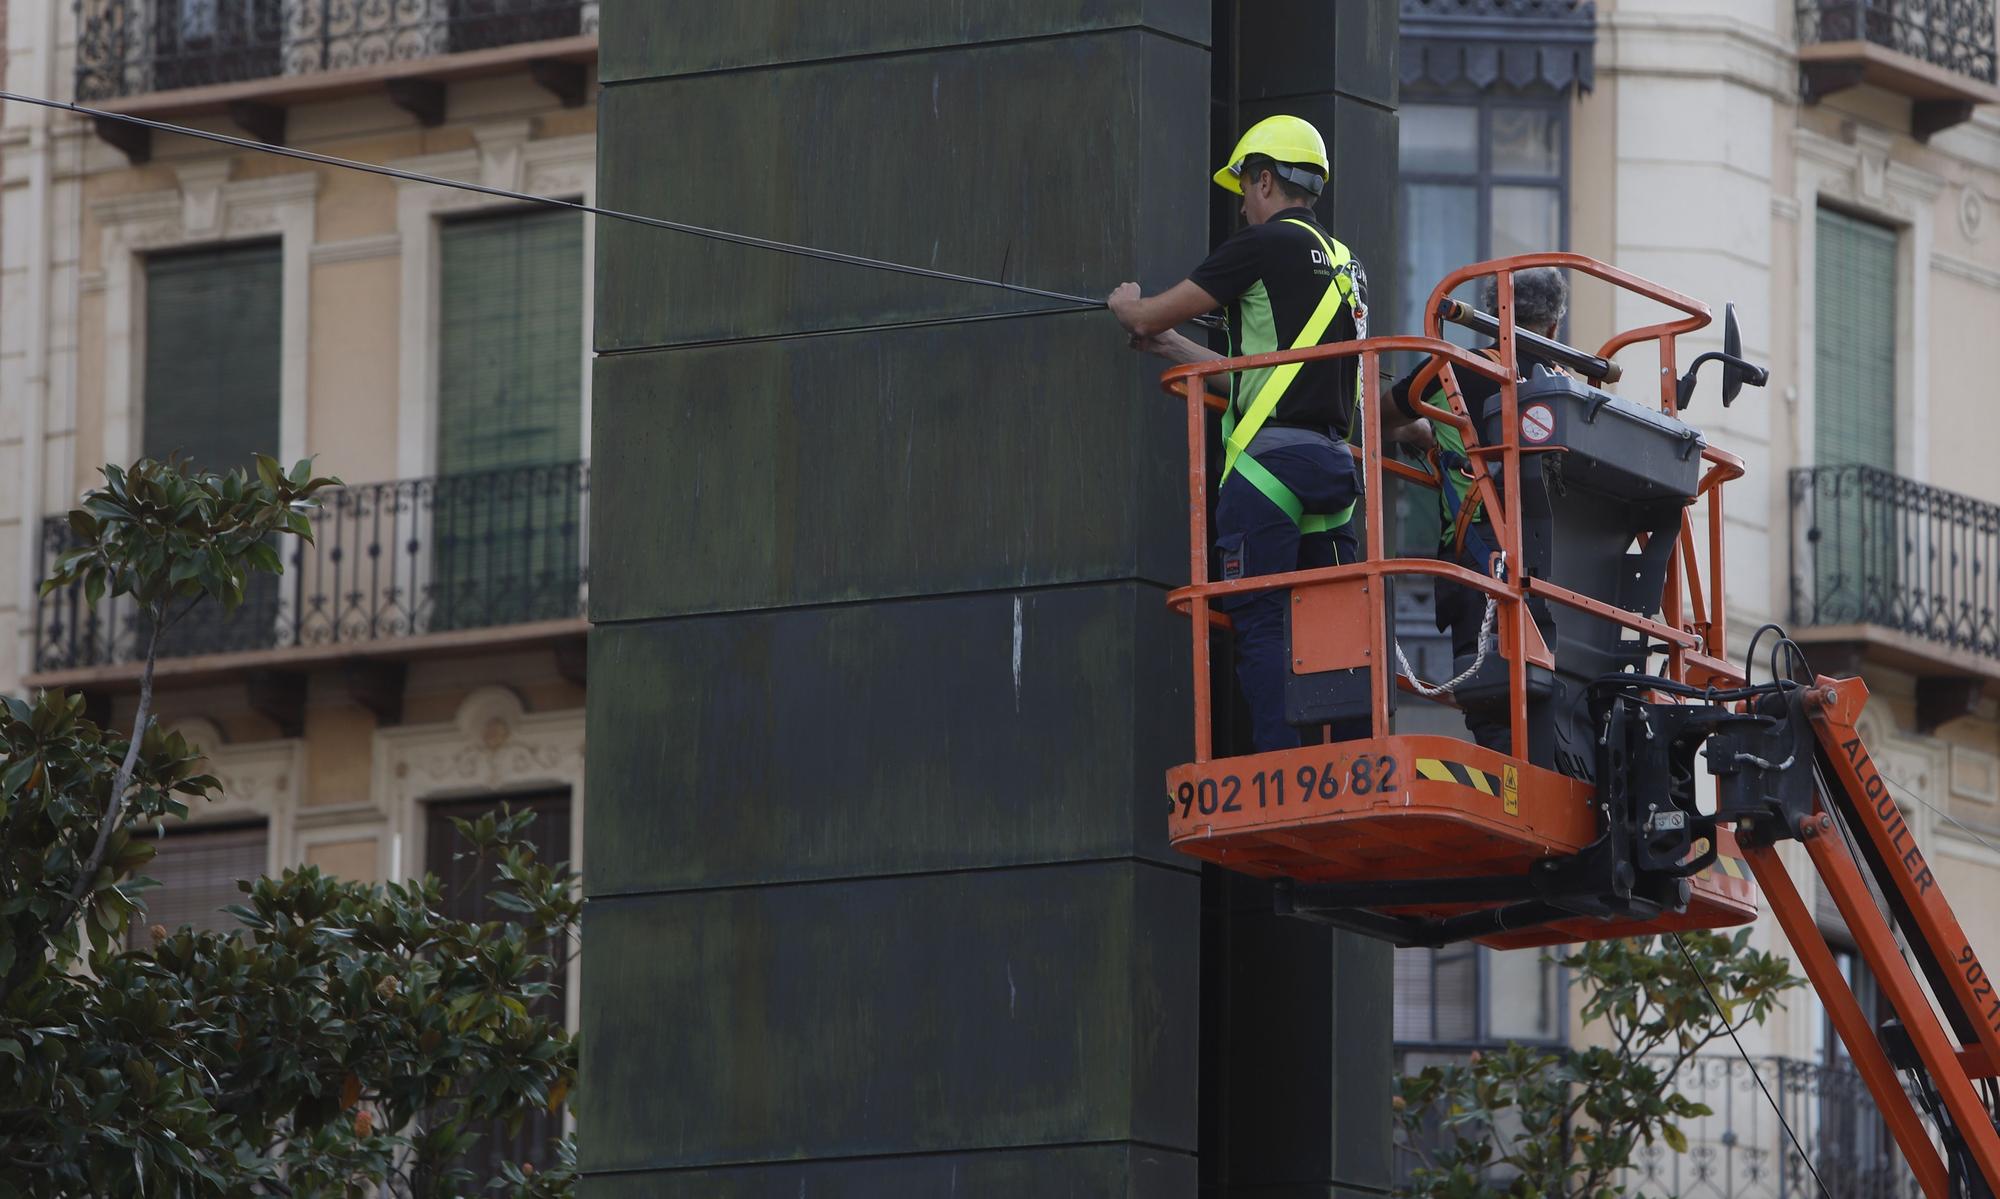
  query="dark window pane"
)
[
  {"x": 468, "y": 888},
  {"x": 1526, "y": 220},
  {"x": 197, "y": 869},
  {"x": 510, "y": 398},
  {"x": 213, "y": 329},
  {"x": 1527, "y": 141},
  {"x": 1440, "y": 234},
  {"x": 1523, "y": 995},
  {"x": 1854, "y": 343},
  {"x": 1413, "y": 995},
  {"x": 1439, "y": 139}
]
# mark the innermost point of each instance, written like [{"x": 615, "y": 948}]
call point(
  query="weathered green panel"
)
[
  {"x": 647, "y": 40},
  {"x": 812, "y": 743},
  {"x": 990, "y": 455},
  {"x": 1063, "y": 164},
  {"x": 1297, "y": 1059},
  {"x": 944, "y": 1012},
  {"x": 1308, "y": 48},
  {"x": 1051, "y": 1172}
]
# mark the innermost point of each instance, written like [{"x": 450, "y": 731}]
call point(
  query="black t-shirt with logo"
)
[{"x": 1272, "y": 277}]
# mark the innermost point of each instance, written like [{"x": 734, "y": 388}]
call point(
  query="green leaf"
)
[
  {"x": 16, "y": 775},
  {"x": 1674, "y": 1137}
]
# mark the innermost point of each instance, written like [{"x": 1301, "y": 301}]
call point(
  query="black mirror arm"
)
[{"x": 1754, "y": 375}]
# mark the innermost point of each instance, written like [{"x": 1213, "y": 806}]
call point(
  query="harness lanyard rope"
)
[{"x": 1237, "y": 435}]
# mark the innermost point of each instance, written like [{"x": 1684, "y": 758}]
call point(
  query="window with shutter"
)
[
  {"x": 197, "y": 869},
  {"x": 1856, "y": 560},
  {"x": 510, "y": 399},
  {"x": 212, "y": 354},
  {"x": 468, "y": 887},
  {"x": 1854, "y": 342},
  {"x": 211, "y": 393}
]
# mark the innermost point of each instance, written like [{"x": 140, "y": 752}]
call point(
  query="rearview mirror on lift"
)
[
  {"x": 1735, "y": 371},
  {"x": 1733, "y": 374}
]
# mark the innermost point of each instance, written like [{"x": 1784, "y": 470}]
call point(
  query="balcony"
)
[
  {"x": 1939, "y": 53},
  {"x": 396, "y": 570},
  {"x": 251, "y": 59},
  {"x": 1741, "y": 1152},
  {"x": 1891, "y": 570}
]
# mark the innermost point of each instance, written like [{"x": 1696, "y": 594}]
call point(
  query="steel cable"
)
[{"x": 703, "y": 231}]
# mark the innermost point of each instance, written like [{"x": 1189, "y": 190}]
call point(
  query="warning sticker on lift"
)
[
  {"x": 1538, "y": 423},
  {"x": 1507, "y": 789}
]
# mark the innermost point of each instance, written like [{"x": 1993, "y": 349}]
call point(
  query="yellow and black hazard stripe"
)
[
  {"x": 1732, "y": 867},
  {"x": 1505, "y": 788}
]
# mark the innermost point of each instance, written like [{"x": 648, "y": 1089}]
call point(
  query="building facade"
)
[
  {"x": 1831, "y": 166},
  {"x": 424, "y": 659}
]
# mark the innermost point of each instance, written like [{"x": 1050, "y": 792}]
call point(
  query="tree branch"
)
[{"x": 123, "y": 780}]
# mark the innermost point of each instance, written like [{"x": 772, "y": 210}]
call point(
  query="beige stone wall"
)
[
  {"x": 1696, "y": 165},
  {"x": 344, "y": 791}
]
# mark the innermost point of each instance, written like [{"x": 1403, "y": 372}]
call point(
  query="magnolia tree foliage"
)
[
  {"x": 348, "y": 1041},
  {"x": 1526, "y": 1123}
]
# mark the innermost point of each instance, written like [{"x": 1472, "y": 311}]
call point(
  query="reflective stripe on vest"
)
[{"x": 1237, "y": 435}]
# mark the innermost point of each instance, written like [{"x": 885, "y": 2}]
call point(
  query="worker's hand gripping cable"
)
[{"x": 1434, "y": 690}]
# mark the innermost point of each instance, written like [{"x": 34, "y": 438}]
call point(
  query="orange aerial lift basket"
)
[
  {"x": 1424, "y": 839},
  {"x": 1607, "y": 663}
]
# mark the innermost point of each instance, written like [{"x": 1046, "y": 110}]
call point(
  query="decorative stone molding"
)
[
  {"x": 492, "y": 746},
  {"x": 261, "y": 780},
  {"x": 205, "y": 208},
  {"x": 560, "y": 166},
  {"x": 1975, "y": 775},
  {"x": 1971, "y": 214},
  {"x": 357, "y": 249}
]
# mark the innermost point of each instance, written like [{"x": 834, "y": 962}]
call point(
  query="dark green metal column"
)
[
  {"x": 1297, "y": 1020},
  {"x": 882, "y": 684}
]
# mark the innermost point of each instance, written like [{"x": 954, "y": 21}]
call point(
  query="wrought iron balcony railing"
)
[
  {"x": 133, "y": 47},
  {"x": 1873, "y": 548},
  {"x": 458, "y": 552},
  {"x": 1957, "y": 35},
  {"x": 1741, "y": 1151}
]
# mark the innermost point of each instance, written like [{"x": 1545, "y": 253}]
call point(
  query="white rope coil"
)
[{"x": 1433, "y": 690}]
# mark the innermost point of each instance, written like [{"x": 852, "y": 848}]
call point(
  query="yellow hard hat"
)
[{"x": 1287, "y": 141}]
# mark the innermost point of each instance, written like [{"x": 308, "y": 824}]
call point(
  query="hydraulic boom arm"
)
[{"x": 1852, "y": 825}]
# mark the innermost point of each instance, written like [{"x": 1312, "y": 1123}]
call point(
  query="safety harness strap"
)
[
  {"x": 1237, "y": 435},
  {"x": 1274, "y": 490}
]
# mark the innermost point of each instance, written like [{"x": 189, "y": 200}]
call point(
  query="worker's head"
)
[
  {"x": 1279, "y": 163},
  {"x": 1540, "y": 299}
]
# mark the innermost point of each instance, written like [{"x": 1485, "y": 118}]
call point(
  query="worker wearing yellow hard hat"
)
[
  {"x": 1295, "y": 148},
  {"x": 1288, "y": 483}
]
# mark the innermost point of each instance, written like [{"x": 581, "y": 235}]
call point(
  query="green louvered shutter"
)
[
  {"x": 510, "y": 380},
  {"x": 212, "y": 354},
  {"x": 1854, "y": 398},
  {"x": 1854, "y": 339},
  {"x": 214, "y": 331}
]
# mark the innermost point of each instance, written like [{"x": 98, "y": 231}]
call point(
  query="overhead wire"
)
[
  {"x": 702, "y": 231},
  {"x": 1754, "y": 1074}
]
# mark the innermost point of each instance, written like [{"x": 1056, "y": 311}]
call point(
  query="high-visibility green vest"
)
[{"x": 1239, "y": 430}]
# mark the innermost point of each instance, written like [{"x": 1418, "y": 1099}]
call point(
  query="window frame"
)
[
  {"x": 1482, "y": 993},
  {"x": 138, "y": 935},
  {"x": 1483, "y": 179}
]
